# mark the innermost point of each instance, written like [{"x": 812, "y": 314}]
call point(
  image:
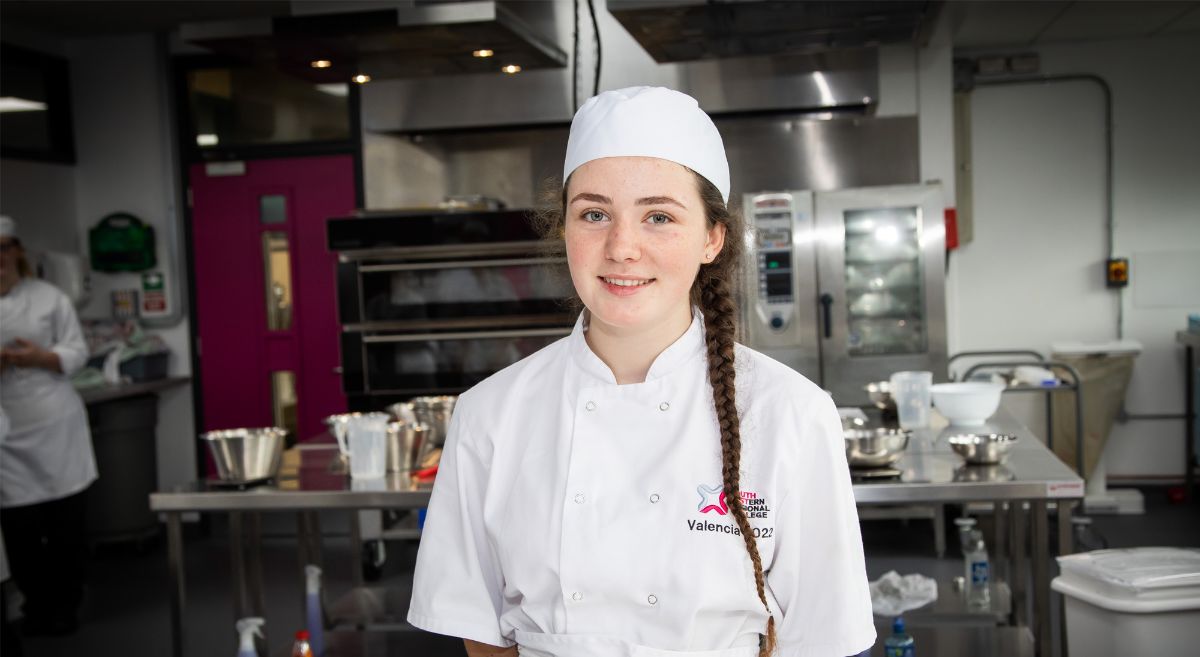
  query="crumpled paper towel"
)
[{"x": 893, "y": 594}]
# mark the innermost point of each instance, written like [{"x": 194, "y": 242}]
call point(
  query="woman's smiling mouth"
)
[{"x": 624, "y": 286}]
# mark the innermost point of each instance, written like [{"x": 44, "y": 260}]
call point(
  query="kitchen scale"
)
[{"x": 238, "y": 484}]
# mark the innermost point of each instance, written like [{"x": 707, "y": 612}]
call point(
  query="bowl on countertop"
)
[
  {"x": 245, "y": 455},
  {"x": 982, "y": 448},
  {"x": 874, "y": 448},
  {"x": 967, "y": 404}
]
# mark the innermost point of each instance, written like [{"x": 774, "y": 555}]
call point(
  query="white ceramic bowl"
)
[{"x": 967, "y": 404}]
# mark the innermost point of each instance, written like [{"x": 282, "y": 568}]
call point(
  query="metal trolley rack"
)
[{"x": 1038, "y": 361}]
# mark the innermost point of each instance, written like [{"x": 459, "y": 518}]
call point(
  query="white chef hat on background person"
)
[
  {"x": 648, "y": 122},
  {"x": 8, "y": 227}
]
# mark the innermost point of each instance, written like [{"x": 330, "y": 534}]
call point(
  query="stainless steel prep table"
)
[
  {"x": 1032, "y": 476},
  {"x": 307, "y": 482},
  {"x": 931, "y": 473}
]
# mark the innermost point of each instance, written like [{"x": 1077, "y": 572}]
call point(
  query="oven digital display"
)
[{"x": 779, "y": 285}]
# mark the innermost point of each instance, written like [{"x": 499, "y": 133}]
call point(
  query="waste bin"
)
[
  {"x": 1134, "y": 601},
  {"x": 123, "y": 438},
  {"x": 1104, "y": 372}
]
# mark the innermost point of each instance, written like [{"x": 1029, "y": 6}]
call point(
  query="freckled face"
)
[{"x": 636, "y": 235}]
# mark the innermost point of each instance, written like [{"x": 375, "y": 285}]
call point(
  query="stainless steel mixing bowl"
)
[
  {"x": 244, "y": 455},
  {"x": 874, "y": 448},
  {"x": 406, "y": 443},
  {"x": 403, "y": 412},
  {"x": 435, "y": 412},
  {"x": 982, "y": 448},
  {"x": 880, "y": 393}
]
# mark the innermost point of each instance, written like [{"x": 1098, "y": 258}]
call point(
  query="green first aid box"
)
[{"x": 121, "y": 242}]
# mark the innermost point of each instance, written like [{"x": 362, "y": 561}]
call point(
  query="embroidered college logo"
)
[{"x": 712, "y": 499}]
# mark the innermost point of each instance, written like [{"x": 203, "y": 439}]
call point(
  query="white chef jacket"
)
[
  {"x": 47, "y": 454},
  {"x": 574, "y": 516}
]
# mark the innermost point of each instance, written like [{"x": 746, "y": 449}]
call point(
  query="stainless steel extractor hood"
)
[
  {"x": 689, "y": 30},
  {"x": 398, "y": 39}
]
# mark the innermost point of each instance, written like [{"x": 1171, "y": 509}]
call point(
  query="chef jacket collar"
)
[{"x": 688, "y": 347}]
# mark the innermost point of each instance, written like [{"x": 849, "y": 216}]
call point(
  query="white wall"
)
[
  {"x": 123, "y": 142},
  {"x": 1033, "y": 274},
  {"x": 40, "y": 197}
]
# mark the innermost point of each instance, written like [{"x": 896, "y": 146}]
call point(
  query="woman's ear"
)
[{"x": 714, "y": 242}]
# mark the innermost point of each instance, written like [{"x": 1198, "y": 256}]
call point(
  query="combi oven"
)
[{"x": 434, "y": 302}]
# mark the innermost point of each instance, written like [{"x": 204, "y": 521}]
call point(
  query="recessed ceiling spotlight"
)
[
  {"x": 321, "y": 63},
  {"x": 483, "y": 53},
  {"x": 361, "y": 78},
  {"x": 511, "y": 68}
]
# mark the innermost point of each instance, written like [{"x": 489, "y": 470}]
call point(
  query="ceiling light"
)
[
  {"x": 334, "y": 89},
  {"x": 14, "y": 104},
  {"x": 321, "y": 63},
  {"x": 483, "y": 53},
  {"x": 206, "y": 140},
  {"x": 361, "y": 78},
  {"x": 511, "y": 68}
]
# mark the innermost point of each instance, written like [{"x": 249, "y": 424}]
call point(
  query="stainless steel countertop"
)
[
  {"x": 1188, "y": 339},
  {"x": 308, "y": 479},
  {"x": 931, "y": 473},
  {"x": 109, "y": 392}
]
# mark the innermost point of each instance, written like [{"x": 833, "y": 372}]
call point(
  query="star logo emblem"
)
[{"x": 712, "y": 499}]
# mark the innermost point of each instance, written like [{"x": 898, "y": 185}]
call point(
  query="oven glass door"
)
[
  {"x": 512, "y": 288},
  {"x": 445, "y": 362}
]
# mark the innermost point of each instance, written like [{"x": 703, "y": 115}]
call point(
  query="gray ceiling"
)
[
  {"x": 975, "y": 24},
  {"x": 1026, "y": 22}
]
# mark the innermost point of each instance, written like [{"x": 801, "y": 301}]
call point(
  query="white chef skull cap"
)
[
  {"x": 8, "y": 227},
  {"x": 648, "y": 122}
]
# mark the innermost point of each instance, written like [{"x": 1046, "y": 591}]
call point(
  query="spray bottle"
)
[
  {"x": 247, "y": 628},
  {"x": 314, "y": 616}
]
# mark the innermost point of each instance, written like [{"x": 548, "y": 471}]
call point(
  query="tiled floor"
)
[{"x": 126, "y": 610}]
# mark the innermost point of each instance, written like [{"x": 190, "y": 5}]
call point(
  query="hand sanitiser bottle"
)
[
  {"x": 978, "y": 571},
  {"x": 247, "y": 629},
  {"x": 898, "y": 644},
  {"x": 314, "y": 615}
]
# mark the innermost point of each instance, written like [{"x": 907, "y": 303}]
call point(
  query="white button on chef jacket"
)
[{"x": 650, "y": 563}]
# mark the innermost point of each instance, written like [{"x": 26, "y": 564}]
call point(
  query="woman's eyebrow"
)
[
  {"x": 649, "y": 200},
  {"x": 659, "y": 200},
  {"x": 594, "y": 198}
]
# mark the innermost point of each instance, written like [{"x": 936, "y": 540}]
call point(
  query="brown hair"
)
[{"x": 713, "y": 292}]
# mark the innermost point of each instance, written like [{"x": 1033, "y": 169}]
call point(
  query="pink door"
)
[{"x": 265, "y": 292}]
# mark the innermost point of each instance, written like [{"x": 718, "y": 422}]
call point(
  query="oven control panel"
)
[{"x": 771, "y": 215}]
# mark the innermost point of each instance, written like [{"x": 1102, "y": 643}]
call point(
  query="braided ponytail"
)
[{"x": 713, "y": 292}]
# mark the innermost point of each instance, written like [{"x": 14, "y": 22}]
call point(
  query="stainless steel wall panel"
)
[{"x": 767, "y": 152}]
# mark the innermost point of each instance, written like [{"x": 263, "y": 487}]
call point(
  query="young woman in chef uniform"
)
[
  {"x": 46, "y": 459},
  {"x": 645, "y": 486}
]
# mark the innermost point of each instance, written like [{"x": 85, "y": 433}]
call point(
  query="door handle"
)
[{"x": 827, "y": 313}]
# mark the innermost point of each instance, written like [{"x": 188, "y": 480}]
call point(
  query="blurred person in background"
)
[{"x": 46, "y": 460}]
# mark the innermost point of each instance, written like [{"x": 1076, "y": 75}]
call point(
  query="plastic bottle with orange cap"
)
[{"x": 301, "y": 647}]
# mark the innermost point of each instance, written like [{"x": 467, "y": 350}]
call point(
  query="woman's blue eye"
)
[
  {"x": 659, "y": 219},
  {"x": 593, "y": 216}
]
